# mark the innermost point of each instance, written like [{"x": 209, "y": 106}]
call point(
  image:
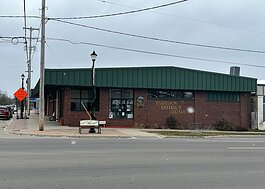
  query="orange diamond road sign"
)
[{"x": 20, "y": 94}]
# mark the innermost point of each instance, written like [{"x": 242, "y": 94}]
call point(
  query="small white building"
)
[{"x": 261, "y": 105}]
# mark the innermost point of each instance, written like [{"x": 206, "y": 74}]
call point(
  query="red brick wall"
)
[
  {"x": 200, "y": 109},
  {"x": 72, "y": 118},
  {"x": 140, "y": 110},
  {"x": 245, "y": 110},
  {"x": 208, "y": 113},
  {"x": 155, "y": 112},
  {"x": 160, "y": 110}
]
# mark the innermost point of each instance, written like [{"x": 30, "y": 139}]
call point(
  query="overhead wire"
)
[
  {"x": 6, "y": 39},
  {"x": 162, "y": 40},
  {"x": 190, "y": 19},
  {"x": 37, "y": 40},
  {"x": 150, "y": 38},
  {"x": 18, "y": 37},
  {"x": 25, "y": 26},
  {"x": 118, "y": 14},
  {"x": 146, "y": 52},
  {"x": 18, "y": 16},
  {"x": 133, "y": 35},
  {"x": 59, "y": 19},
  {"x": 55, "y": 59},
  {"x": 155, "y": 53},
  {"x": 107, "y": 15},
  {"x": 10, "y": 39}
]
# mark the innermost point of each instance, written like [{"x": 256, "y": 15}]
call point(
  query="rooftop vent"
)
[{"x": 235, "y": 71}]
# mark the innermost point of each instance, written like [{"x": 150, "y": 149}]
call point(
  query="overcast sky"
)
[{"x": 224, "y": 23}]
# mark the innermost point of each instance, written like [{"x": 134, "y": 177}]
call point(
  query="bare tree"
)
[{"x": 4, "y": 99}]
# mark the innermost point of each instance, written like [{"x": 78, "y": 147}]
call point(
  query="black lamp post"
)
[
  {"x": 17, "y": 109},
  {"x": 22, "y": 102},
  {"x": 93, "y": 58}
]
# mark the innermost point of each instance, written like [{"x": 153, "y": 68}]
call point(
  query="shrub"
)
[
  {"x": 172, "y": 123},
  {"x": 223, "y": 125},
  {"x": 140, "y": 126},
  {"x": 155, "y": 126}
]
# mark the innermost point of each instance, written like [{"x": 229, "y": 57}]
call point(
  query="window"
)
[
  {"x": 121, "y": 104},
  {"x": 170, "y": 94},
  {"x": 84, "y": 96},
  {"x": 223, "y": 96}
]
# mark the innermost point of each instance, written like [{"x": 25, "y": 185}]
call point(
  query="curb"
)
[
  {"x": 67, "y": 136},
  {"x": 75, "y": 136}
]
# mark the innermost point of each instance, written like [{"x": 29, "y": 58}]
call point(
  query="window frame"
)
[
  {"x": 87, "y": 100},
  {"x": 157, "y": 94},
  {"x": 124, "y": 108}
]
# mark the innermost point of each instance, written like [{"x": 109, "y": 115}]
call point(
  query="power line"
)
[
  {"x": 25, "y": 26},
  {"x": 18, "y": 16},
  {"x": 162, "y": 40},
  {"x": 5, "y": 38},
  {"x": 155, "y": 53},
  {"x": 37, "y": 39},
  {"x": 55, "y": 59},
  {"x": 179, "y": 17},
  {"x": 18, "y": 37},
  {"x": 13, "y": 40},
  {"x": 191, "y": 19},
  {"x": 118, "y": 14}
]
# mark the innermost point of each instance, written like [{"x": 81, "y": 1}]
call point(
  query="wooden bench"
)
[{"x": 88, "y": 124}]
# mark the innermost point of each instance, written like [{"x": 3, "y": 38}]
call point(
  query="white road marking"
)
[{"x": 245, "y": 148}]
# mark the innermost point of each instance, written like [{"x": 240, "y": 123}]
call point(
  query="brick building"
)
[{"x": 148, "y": 96}]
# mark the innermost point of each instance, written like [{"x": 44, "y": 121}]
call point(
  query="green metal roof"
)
[{"x": 151, "y": 78}]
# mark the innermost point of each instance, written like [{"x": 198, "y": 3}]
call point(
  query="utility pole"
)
[
  {"x": 42, "y": 68},
  {"x": 29, "y": 68}
]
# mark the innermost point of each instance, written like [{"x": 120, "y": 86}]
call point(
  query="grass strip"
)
[{"x": 205, "y": 133}]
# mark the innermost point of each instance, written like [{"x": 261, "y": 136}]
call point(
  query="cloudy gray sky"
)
[{"x": 223, "y": 23}]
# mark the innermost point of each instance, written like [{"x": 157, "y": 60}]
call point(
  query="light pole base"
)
[{"x": 92, "y": 130}]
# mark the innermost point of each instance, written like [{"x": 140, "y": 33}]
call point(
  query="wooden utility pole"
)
[
  {"x": 42, "y": 68},
  {"x": 29, "y": 67}
]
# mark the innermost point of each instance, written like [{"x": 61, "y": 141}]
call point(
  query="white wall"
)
[{"x": 260, "y": 96}]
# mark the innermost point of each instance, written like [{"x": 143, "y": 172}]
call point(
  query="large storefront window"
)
[
  {"x": 170, "y": 94},
  {"x": 83, "y": 96},
  {"x": 121, "y": 104}
]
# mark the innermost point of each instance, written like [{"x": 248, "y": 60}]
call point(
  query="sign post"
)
[{"x": 20, "y": 94}]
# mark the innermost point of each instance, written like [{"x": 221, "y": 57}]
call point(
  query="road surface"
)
[{"x": 183, "y": 163}]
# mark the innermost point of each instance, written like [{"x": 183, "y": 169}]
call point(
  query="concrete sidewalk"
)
[{"x": 30, "y": 127}]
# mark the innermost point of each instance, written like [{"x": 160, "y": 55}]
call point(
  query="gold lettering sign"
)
[{"x": 171, "y": 106}]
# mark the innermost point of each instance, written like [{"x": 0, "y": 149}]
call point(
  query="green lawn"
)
[{"x": 205, "y": 133}]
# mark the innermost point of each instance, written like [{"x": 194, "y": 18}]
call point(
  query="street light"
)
[
  {"x": 22, "y": 102},
  {"x": 93, "y": 58}
]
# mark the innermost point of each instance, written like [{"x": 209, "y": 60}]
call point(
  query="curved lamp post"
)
[{"x": 93, "y": 58}]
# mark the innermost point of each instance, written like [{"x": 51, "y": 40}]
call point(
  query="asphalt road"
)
[{"x": 36, "y": 163}]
